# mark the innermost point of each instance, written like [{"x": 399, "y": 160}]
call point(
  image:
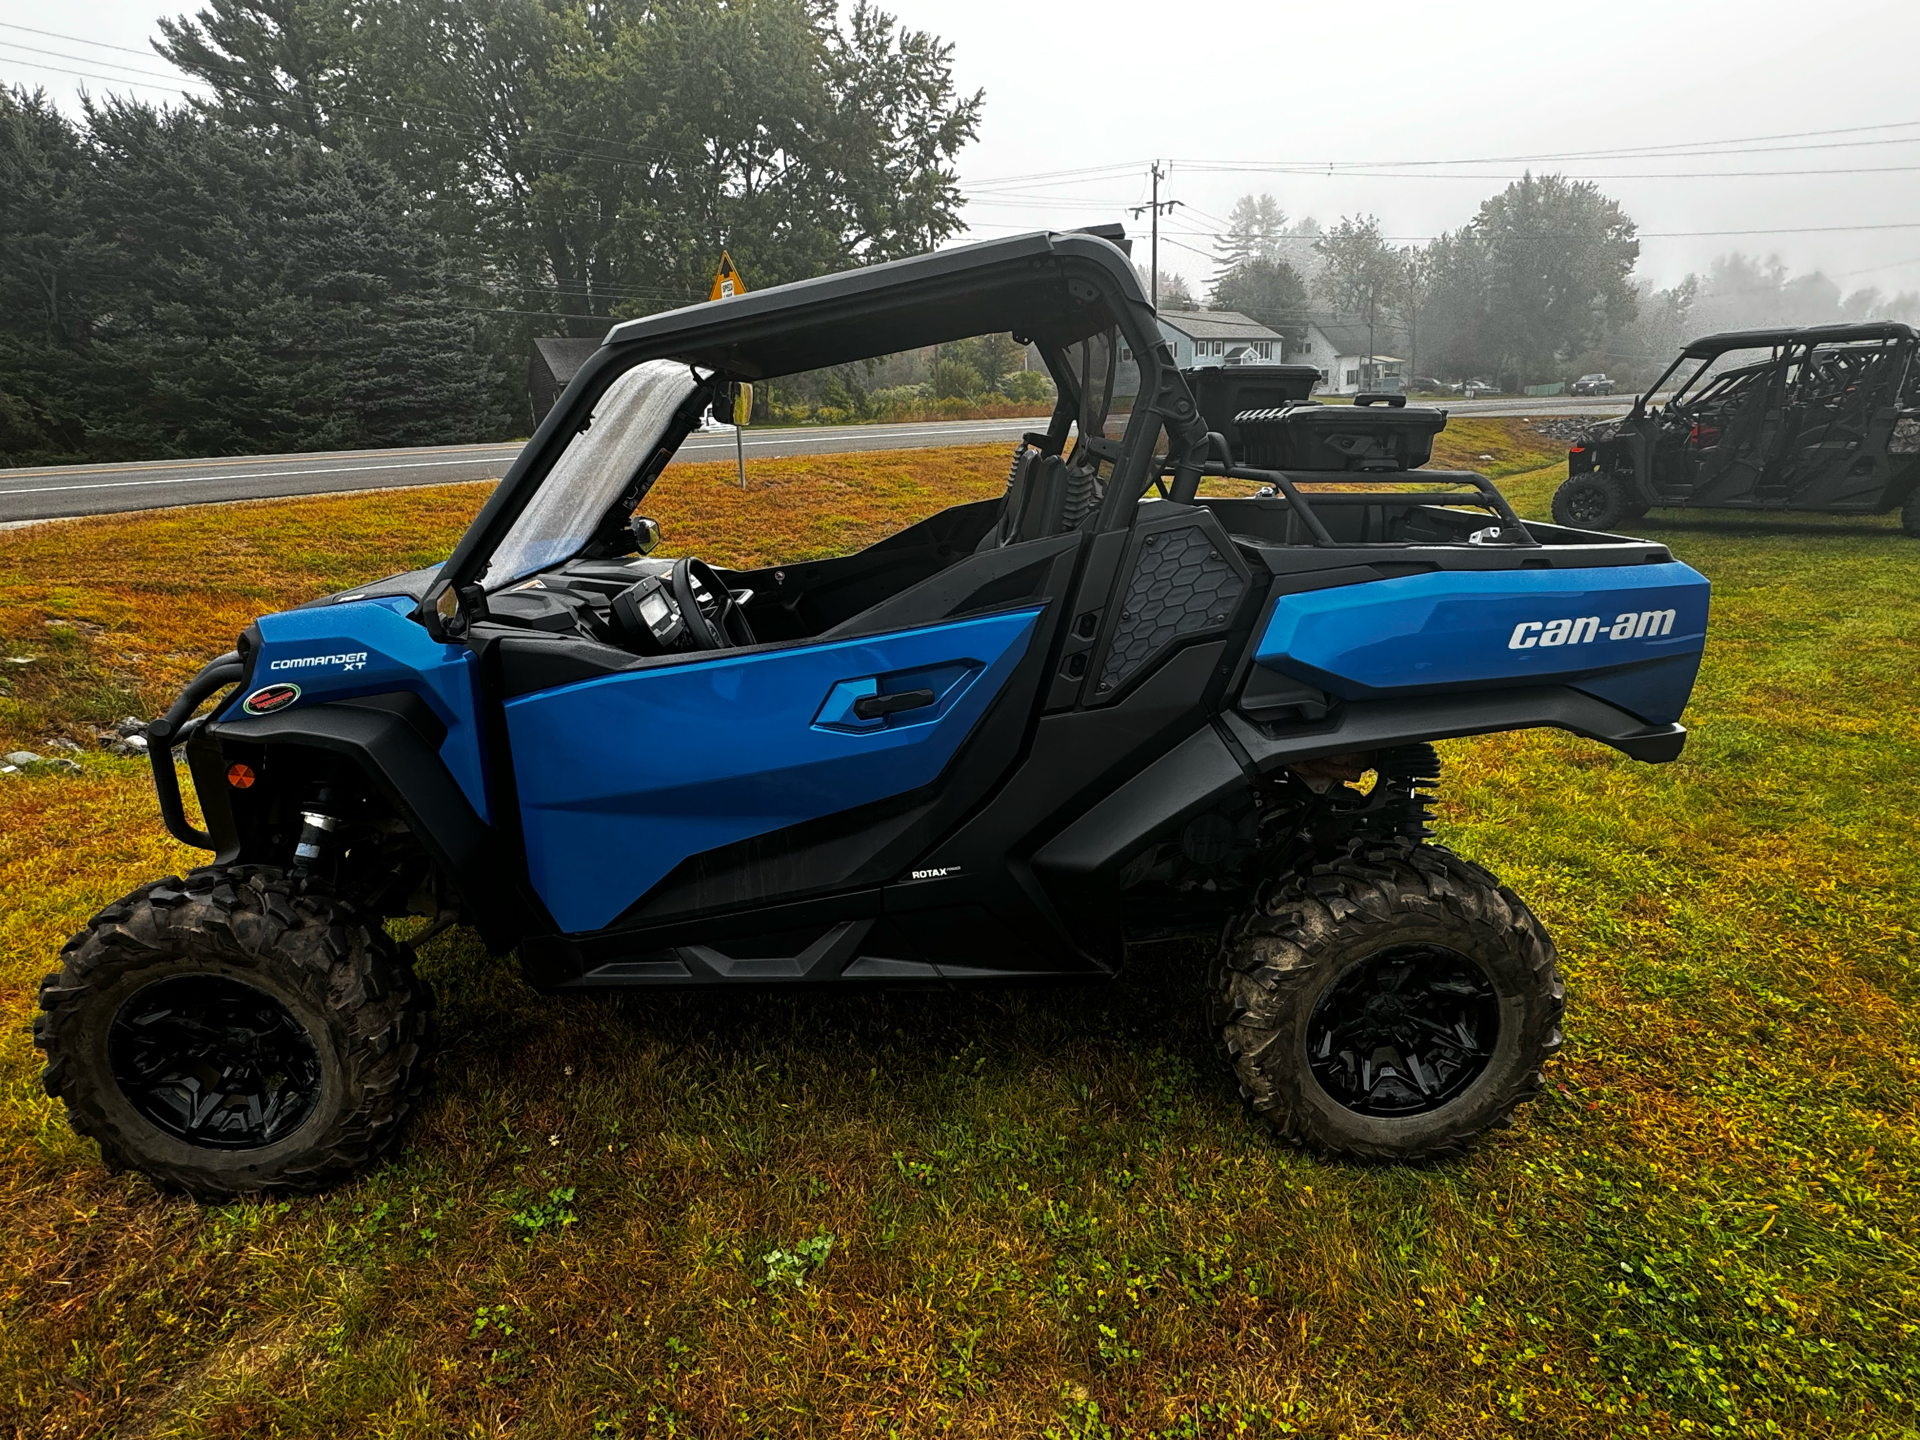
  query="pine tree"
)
[
  {"x": 173, "y": 287},
  {"x": 1255, "y": 226}
]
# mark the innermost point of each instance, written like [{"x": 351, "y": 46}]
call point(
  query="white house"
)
[
  {"x": 1218, "y": 337},
  {"x": 1338, "y": 346}
]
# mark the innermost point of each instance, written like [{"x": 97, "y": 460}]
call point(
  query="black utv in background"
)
[{"x": 1821, "y": 419}]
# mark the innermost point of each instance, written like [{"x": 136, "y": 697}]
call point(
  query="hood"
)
[{"x": 408, "y": 584}]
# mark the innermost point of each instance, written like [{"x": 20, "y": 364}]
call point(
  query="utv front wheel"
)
[
  {"x": 234, "y": 1032},
  {"x": 1392, "y": 1005},
  {"x": 1594, "y": 501}
]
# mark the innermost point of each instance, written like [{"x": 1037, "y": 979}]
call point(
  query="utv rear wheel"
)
[
  {"x": 235, "y": 1032},
  {"x": 1594, "y": 502},
  {"x": 1392, "y": 1005}
]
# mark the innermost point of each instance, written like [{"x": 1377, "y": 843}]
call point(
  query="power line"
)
[
  {"x": 1328, "y": 173},
  {"x": 110, "y": 79},
  {"x": 1638, "y": 235},
  {"x": 468, "y": 131},
  {"x": 181, "y": 79},
  {"x": 1675, "y": 149},
  {"x": 77, "y": 39},
  {"x": 1679, "y": 148}
]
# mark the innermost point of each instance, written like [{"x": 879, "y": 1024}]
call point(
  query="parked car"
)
[
  {"x": 1820, "y": 419},
  {"x": 1593, "y": 385},
  {"x": 994, "y": 748}
]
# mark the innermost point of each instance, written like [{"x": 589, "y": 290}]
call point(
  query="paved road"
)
[
  {"x": 1597, "y": 407},
  {"x": 41, "y": 494}
]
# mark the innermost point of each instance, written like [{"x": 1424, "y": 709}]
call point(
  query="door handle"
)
[{"x": 875, "y": 707}]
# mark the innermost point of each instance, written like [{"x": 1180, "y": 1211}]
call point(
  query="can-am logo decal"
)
[
  {"x": 1631, "y": 625},
  {"x": 357, "y": 660},
  {"x": 269, "y": 698}
]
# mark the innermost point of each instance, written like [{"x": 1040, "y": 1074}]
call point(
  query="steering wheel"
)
[{"x": 727, "y": 627}]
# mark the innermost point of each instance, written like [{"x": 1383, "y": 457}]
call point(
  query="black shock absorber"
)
[{"x": 316, "y": 825}]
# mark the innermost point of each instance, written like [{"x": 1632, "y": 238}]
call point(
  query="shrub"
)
[
  {"x": 955, "y": 379},
  {"x": 1027, "y": 385}
]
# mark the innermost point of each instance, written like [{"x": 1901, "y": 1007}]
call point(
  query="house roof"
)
[
  {"x": 1348, "y": 336},
  {"x": 1216, "y": 325}
]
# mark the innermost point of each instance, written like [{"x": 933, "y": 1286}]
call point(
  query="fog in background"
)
[{"x": 1413, "y": 113}]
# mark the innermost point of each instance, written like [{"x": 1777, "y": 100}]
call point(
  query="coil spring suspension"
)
[
  {"x": 1410, "y": 775},
  {"x": 1400, "y": 804}
]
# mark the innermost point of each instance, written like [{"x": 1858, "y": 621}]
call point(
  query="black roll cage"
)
[
  {"x": 1709, "y": 348},
  {"x": 1054, "y": 289}
]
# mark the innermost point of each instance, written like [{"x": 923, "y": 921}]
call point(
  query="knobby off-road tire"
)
[
  {"x": 235, "y": 1032},
  {"x": 1910, "y": 516},
  {"x": 1595, "y": 501},
  {"x": 1298, "y": 985}
]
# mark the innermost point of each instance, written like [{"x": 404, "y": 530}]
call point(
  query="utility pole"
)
[{"x": 1155, "y": 206}]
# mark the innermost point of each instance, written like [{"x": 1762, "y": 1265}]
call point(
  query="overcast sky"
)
[{"x": 1248, "y": 95}]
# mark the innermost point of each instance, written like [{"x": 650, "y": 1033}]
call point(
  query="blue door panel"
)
[
  {"x": 370, "y": 647},
  {"x": 623, "y": 777},
  {"x": 1457, "y": 629}
]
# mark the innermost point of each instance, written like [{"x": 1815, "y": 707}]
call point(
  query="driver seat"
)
[{"x": 1045, "y": 496}]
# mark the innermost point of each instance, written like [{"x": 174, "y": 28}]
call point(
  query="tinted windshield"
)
[{"x": 625, "y": 430}]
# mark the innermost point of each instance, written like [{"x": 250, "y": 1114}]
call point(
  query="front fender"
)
[{"x": 399, "y": 762}]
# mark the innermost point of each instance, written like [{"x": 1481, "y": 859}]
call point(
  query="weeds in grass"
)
[
  {"x": 552, "y": 1214},
  {"x": 794, "y": 1267}
]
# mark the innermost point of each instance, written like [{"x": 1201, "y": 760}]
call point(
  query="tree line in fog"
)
[{"x": 1538, "y": 286}]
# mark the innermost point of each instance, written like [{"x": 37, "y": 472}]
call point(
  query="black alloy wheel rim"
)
[
  {"x": 1403, "y": 1032},
  {"x": 214, "y": 1062},
  {"x": 1588, "y": 502}
]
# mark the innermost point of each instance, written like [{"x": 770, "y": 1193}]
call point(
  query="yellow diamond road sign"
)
[{"x": 726, "y": 280}]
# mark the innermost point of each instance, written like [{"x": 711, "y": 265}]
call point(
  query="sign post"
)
[
  {"x": 727, "y": 284},
  {"x": 742, "y": 412}
]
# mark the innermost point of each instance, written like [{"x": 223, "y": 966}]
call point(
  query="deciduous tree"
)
[
  {"x": 1267, "y": 290},
  {"x": 600, "y": 155},
  {"x": 1540, "y": 274}
]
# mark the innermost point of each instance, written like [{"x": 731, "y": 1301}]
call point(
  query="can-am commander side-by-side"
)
[
  {"x": 995, "y": 747},
  {"x": 1825, "y": 419}
]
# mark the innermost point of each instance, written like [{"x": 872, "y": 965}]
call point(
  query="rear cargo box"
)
[
  {"x": 1338, "y": 437},
  {"x": 1223, "y": 391}
]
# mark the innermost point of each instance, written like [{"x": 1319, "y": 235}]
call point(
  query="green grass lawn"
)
[{"x": 1045, "y": 1214}]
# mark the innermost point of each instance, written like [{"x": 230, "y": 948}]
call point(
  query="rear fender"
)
[{"x": 1220, "y": 766}]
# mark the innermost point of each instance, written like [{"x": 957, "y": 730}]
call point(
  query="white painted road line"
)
[{"x": 248, "y": 475}]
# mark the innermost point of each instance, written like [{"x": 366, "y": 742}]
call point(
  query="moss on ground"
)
[{"x": 1047, "y": 1213}]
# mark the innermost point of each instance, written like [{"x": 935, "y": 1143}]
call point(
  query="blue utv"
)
[{"x": 1182, "y": 678}]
